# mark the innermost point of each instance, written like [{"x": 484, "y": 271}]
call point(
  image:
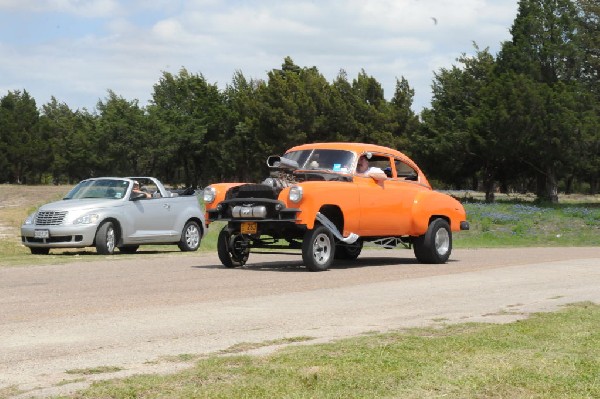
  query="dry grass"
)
[{"x": 16, "y": 203}]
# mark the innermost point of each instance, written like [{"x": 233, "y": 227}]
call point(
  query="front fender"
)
[
  {"x": 317, "y": 195},
  {"x": 220, "y": 192}
]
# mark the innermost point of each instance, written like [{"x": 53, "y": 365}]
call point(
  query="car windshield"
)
[
  {"x": 105, "y": 188},
  {"x": 319, "y": 159}
]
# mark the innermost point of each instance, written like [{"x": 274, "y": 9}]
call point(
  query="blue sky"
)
[{"x": 76, "y": 50}]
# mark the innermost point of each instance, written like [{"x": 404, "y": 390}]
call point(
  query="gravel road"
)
[{"x": 137, "y": 312}]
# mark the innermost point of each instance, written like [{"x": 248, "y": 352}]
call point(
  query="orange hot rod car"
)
[{"x": 316, "y": 202}]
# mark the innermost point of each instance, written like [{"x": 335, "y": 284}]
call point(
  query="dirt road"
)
[{"x": 134, "y": 312}]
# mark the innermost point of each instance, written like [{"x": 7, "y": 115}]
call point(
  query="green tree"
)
[
  {"x": 343, "y": 125},
  {"x": 189, "y": 113},
  {"x": 403, "y": 122},
  {"x": 457, "y": 140},
  {"x": 287, "y": 113},
  {"x": 240, "y": 146},
  {"x": 544, "y": 47},
  {"x": 589, "y": 40},
  {"x": 371, "y": 111},
  {"x": 121, "y": 131},
  {"x": 544, "y": 44},
  {"x": 71, "y": 139},
  {"x": 20, "y": 143}
]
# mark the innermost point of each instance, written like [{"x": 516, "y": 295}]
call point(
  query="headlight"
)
[
  {"x": 30, "y": 219},
  {"x": 87, "y": 219},
  {"x": 295, "y": 194},
  {"x": 209, "y": 194}
]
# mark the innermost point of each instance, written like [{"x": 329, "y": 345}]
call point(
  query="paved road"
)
[{"x": 133, "y": 312}]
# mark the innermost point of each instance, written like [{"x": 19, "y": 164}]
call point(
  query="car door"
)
[
  {"x": 377, "y": 200},
  {"x": 153, "y": 220},
  {"x": 386, "y": 207}
]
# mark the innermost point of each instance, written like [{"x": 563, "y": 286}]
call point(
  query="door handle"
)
[{"x": 167, "y": 206}]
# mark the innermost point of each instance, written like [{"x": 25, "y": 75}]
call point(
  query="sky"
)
[{"x": 77, "y": 50}]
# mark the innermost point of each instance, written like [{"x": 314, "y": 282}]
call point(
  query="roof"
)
[{"x": 358, "y": 148}]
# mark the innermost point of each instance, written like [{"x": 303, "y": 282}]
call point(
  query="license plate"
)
[
  {"x": 249, "y": 228},
  {"x": 41, "y": 234}
]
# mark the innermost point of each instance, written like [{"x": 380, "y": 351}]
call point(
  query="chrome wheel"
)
[
  {"x": 190, "y": 237},
  {"x": 321, "y": 249},
  {"x": 106, "y": 238},
  {"x": 318, "y": 249},
  {"x": 442, "y": 242},
  {"x": 435, "y": 245},
  {"x": 110, "y": 239}
]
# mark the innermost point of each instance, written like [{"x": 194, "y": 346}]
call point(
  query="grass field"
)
[
  {"x": 529, "y": 224},
  {"x": 553, "y": 355},
  {"x": 549, "y": 355}
]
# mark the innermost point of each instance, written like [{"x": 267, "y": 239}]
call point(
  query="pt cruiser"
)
[{"x": 107, "y": 213}]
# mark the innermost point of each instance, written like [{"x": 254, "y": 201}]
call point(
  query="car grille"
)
[
  {"x": 50, "y": 218},
  {"x": 251, "y": 191}
]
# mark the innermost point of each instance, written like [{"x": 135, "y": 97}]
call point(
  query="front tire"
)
[
  {"x": 190, "y": 237},
  {"x": 435, "y": 245},
  {"x": 231, "y": 249},
  {"x": 318, "y": 249},
  {"x": 106, "y": 237}
]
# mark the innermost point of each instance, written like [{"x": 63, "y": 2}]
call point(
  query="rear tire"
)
[
  {"x": 106, "y": 237},
  {"x": 230, "y": 248},
  {"x": 318, "y": 249},
  {"x": 190, "y": 237},
  {"x": 348, "y": 251},
  {"x": 435, "y": 245}
]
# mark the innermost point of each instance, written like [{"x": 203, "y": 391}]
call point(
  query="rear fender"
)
[{"x": 429, "y": 205}]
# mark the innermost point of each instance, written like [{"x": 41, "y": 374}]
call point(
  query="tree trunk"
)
[
  {"x": 489, "y": 186},
  {"x": 547, "y": 187},
  {"x": 569, "y": 185},
  {"x": 474, "y": 183},
  {"x": 594, "y": 184}
]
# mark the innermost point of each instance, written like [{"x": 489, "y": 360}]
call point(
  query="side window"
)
[
  {"x": 381, "y": 162},
  {"x": 404, "y": 171}
]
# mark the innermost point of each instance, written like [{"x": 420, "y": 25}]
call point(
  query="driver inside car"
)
[
  {"x": 363, "y": 169},
  {"x": 137, "y": 190}
]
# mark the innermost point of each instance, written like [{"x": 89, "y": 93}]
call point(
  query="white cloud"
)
[
  {"x": 81, "y": 8},
  {"x": 126, "y": 45}
]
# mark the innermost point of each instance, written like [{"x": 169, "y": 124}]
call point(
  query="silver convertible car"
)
[{"x": 108, "y": 213}]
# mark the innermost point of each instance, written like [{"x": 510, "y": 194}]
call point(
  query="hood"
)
[{"x": 80, "y": 204}]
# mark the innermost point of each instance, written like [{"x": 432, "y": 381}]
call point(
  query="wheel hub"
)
[
  {"x": 322, "y": 249},
  {"x": 442, "y": 241}
]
